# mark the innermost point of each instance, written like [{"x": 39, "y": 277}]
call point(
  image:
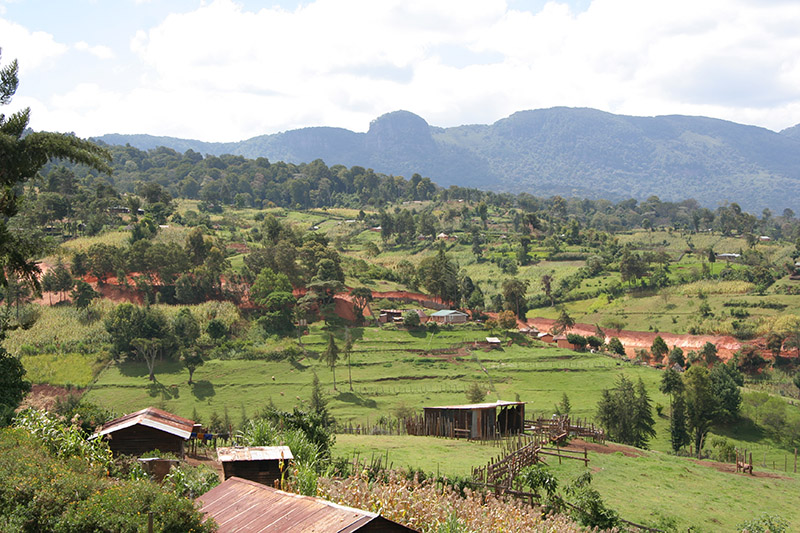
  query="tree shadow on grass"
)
[
  {"x": 203, "y": 389},
  {"x": 351, "y": 397},
  {"x": 137, "y": 369},
  {"x": 156, "y": 388},
  {"x": 298, "y": 365},
  {"x": 744, "y": 429},
  {"x": 419, "y": 333}
]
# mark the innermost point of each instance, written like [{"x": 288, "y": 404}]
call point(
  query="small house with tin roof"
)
[
  {"x": 262, "y": 464},
  {"x": 238, "y": 505},
  {"x": 449, "y": 316},
  {"x": 146, "y": 430}
]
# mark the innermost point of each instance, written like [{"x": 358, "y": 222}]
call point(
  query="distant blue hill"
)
[{"x": 565, "y": 151}]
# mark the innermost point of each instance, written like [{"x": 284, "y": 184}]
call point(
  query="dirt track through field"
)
[{"x": 634, "y": 340}]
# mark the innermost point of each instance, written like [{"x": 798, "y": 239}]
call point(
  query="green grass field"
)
[{"x": 642, "y": 488}]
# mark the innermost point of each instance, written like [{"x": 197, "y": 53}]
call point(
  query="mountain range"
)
[{"x": 559, "y": 151}]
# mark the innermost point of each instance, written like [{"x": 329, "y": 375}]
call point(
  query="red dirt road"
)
[{"x": 633, "y": 340}]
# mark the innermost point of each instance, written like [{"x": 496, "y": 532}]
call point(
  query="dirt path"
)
[{"x": 633, "y": 340}]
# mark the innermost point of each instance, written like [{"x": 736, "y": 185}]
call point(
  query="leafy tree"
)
[
  {"x": 13, "y": 386},
  {"x": 796, "y": 380},
  {"x": 594, "y": 341},
  {"x": 725, "y": 382},
  {"x": 439, "y": 275},
  {"x": 625, "y": 413},
  {"x": 49, "y": 284},
  {"x": 775, "y": 343},
  {"x": 22, "y": 155},
  {"x": 192, "y": 359},
  {"x": 411, "y": 319},
  {"x": 579, "y": 341},
  {"x": 361, "y": 297},
  {"x": 563, "y": 322},
  {"x": 475, "y": 393},
  {"x": 83, "y": 294},
  {"x": 547, "y": 287},
  {"x": 709, "y": 353},
  {"x": 268, "y": 282},
  {"x": 671, "y": 384},
  {"x": 348, "y": 350},
  {"x": 216, "y": 329},
  {"x": 127, "y": 322},
  {"x": 676, "y": 356},
  {"x": 507, "y": 319},
  {"x": 331, "y": 356},
  {"x": 679, "y": 436},
  {"x": 149, "y": 350},
  {"x": 748, "y": 359},
  {"x": 564, "y": 406},
  {"x": 318, "y": 403},
  {"x": 659, "y": 348},
  {"x": 514, "y": 295},
  {"x": 615, "y": 345},
  {"x": 700, "y": 404},
  {"x": 185, "y": 327}
]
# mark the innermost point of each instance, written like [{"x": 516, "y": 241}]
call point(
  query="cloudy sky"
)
[{"x": 227, "y": 70}]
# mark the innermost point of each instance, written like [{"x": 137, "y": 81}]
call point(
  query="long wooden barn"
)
[{"x": 475, "y": 421}]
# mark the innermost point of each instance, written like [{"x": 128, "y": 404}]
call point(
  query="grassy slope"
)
[{"x": 639, "y": 488}]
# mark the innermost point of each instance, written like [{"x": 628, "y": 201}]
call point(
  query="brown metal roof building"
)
[
  {"x": 147, "y": 430},
  {"x": 239, "y": 506},
  {"x": 262, "y": 464},
  {"x": 475, "y": 421}
]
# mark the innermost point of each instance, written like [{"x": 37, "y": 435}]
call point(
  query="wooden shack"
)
[
  {"x": 238, "y": 505},
  {"x": 262, "y": 464},
  {"x": 146, "y": 430},
  {"x": 475, "y": 421}
]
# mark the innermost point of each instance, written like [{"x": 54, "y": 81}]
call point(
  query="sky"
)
[{"x": 228, "y": 70}]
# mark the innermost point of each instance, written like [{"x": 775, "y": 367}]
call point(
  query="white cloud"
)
[
  {"x": 99, "y": 51},
  {"x": 30, "y": 49},
  {"x": 222, "y": 72}
]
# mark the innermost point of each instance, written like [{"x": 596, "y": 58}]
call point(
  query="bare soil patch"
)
[
  {"x": 45, "y": 396},
  {"x": 731, "y": 468},
  {"x": 608, "y": 447}
]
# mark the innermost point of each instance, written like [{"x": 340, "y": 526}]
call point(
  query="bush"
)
[
  {"x": 475, "y": 393},
  {"x": 577, "y": 340}
]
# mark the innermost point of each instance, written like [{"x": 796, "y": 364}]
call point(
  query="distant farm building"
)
[
  {"x": 562, "y": 342},
  {"x": 545, "y": 337},
  {"x": 262, "y": 464},
  {"x": 147, "y": 430},
  {"x": 728, "y": 257},
  {"x": 475, "y": 421},
  {"x": 449, "y": 316},
  {"x": 238, "y": 505},
  {"x": 494, "y": 342}
]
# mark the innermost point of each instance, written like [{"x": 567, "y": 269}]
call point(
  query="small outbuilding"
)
[
  {"x": 238, "y": 505},
  {"x": 262, "y": 464},
  {"x": 475, "y": 421},
  {"x": 147, "y": 430},
  {"x": 449, "y": 316},
  {"x": 545, "y": 337},
  {"x": 562, "y": 342}
]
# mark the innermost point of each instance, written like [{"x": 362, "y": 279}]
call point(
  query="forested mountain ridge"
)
[{"x": 565, "y": 151}]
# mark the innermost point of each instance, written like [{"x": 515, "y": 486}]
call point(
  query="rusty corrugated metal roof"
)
[
  {"x": 239, "y": 506},
  {"x": 151, "y": 417},
  {"x": 254, "y": 453},
  {"x": 489, "y": 405}
]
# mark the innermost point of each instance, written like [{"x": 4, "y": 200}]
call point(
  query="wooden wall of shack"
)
[
  {"x": 138, "y": 440},
  {"x": 266, "y": 472},
  {"x": 474, "y": 423}
]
